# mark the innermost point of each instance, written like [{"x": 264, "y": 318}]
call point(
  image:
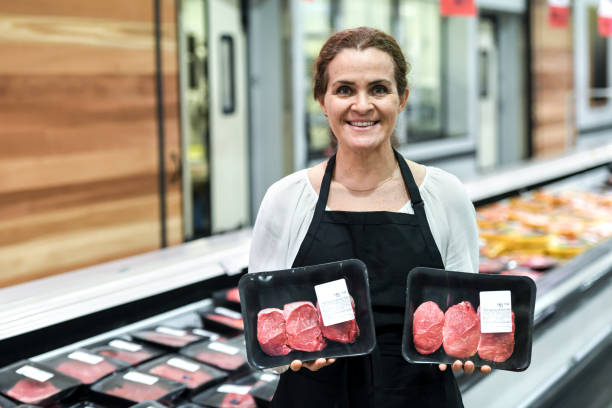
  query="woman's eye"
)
[
  {"x": 343, "y": 90},
  {"x": 380, "y": 90}
]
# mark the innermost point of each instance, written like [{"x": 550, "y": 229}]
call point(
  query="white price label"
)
[
  {"x": 605, "y": 8},
  {"x": 334, "y": 302},
  {"x": 125, "y": 345},
  {"x": 172, "y": 332},
  {"x": 226, "y": 312},
  {"x": 234, "y": 389},
  {"x": 85, "y": 357},
  {"x": 201, "y": 332},
  {"x": 267, "y": 377},
  {"x": 182, "y": 364},
  {"x": 34, "y": 373},
  {"x": 496, "y": 312},
  {"x": 140, "y": 378},
  {"x": 559, "y": 3},
  {"x": 223, "y": 348}
]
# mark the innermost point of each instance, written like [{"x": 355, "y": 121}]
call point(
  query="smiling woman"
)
[{"x": 367, "y": 202}]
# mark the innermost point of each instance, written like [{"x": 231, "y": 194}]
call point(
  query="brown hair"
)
[{"x": 359, "y": 38}]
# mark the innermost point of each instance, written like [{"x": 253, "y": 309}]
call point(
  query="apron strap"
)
[
  {"x": 418, "y": 207},
  {"x": 318, "y": 213}
]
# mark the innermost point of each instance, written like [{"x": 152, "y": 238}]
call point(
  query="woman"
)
[{"x": 367, "y": 202}]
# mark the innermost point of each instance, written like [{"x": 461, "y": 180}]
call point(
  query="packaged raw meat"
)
[
  {"x": 461, "y": 332},
  {"x": 229, "y": 298},
  {"x": 179, "y": 368},
  {"x": 31, "y": 383},
  {"x": 228, "y": 355},
  {"x": 223, "y": 320},
  {"x": 127, "y": 351},
  {"x": 167, "y": 337},
  {"x": 427, "y": 326},
  {"x": 306, "y": 313},
  {"x": 4, "y": 403},
  {"x": 227, "y": 396},
  {"x": 485, "y": 318},
  {"x": 137, "y": 386},
  {"x": 83, "y": 365}
]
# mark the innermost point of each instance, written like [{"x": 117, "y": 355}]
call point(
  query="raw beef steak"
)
[
  {"x": 31, "y": 391},
  {"x": 271, "y": 332},
  {"x": 302, "y": 323},
  {"x": 237, "y": 324},
  {"x": 345, "y": 332},
  {"x": 190, "y": 379},
  {"x": 137, "y": 392},
  {"x": 87, "y": 373},
  {"x": 224, "y": 361},
  {"x": 233, "y": 295},
  {"x": 427, "y": 325},
  {"x": 169, "y": 339},
  {"x": 461, "y": 332},
  {"x": 497, "y": 347}
]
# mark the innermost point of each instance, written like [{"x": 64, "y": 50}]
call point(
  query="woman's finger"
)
[
  {"x": 457, "y": 365},
  {"x": 468, "y": 367},
  {"x": 485, "y": 369},
  {"x": 442, "y": 367},
  {"x": 296, "y": 365}
]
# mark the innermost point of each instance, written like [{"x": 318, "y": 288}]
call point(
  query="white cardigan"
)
[{"x": 288, "y": 207}]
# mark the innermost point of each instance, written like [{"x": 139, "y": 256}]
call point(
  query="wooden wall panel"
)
[
  {"x": 552, "y": 68},
  {"x": 79, "y": 157}
]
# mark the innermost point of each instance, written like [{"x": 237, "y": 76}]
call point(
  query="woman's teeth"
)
[{"x": 362, "y": 124}]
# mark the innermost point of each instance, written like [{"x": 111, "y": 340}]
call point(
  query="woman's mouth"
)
[{"x": 362, "y": 124}]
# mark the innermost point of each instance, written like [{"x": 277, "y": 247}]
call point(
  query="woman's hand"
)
[
  {"x": 316, "y": 365},
  {"x": 468, "y": 367}
]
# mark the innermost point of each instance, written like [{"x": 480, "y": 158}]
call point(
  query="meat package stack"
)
[
  {"x": 443, "y": 319},
  {"x": 160, "y": 366},
  {"x": 284, "y": 313}
]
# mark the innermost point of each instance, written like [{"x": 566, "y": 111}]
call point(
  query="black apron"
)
[{"x": 390, "y": 244}]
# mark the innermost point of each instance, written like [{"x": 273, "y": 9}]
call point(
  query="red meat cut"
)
[
  {"x": 302, "y": 323},
  {"x": 190, "y": 379},
  {"x": 131, "y": 357},
  {"x": 233, "y": 295},
  {"x": 497, "y": 347},
  {"x": 461, "y": 332},
  {"x": 344, "y": 332},
  {"x": 169, "y": 339},
  {"x": 238, "y": 400},
  {"x": 223, "y": 361},
  {"x": 137, "y": 392},
  {"x": 427, "y": 326},
  {"x": 31, "y": 391},
  {"x": 226, "y": 320},
  {"x": 87, "y": 373},
  {"x": 271, "y": 332}
]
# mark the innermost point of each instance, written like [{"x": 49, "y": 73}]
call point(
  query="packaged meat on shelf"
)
[
  {"x": 306, "y": 313},
  {"x": 229, "y": 298},
  {"x": 179, "y": 368},
  {"x": 480, "y": 317},
  {"x": 226, "y": 354},
  {"x": 83, "y": 365},
  {"x": 127, "y": 351},
  {"x": 223, "y": 320},
  {"x": 168, "y": 337},
  {"x": 134, "y": 386},
  {"x": 252, "y": 390},
  {"x": 538, "y": 231},
  {"x": 31, "y": 383}
]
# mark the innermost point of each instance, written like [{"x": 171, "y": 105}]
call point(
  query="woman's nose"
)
[{"x": 362, "y": 102}]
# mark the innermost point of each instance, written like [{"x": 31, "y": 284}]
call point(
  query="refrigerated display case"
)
[{"x": 173, "y": 286}]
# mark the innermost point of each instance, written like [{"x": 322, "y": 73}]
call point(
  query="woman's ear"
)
[
  {"x": 404, "y": 99},
  {"x": 322, "y": 105}
]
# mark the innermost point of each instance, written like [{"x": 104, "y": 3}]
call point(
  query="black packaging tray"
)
[
  {"x": 122, "y": 391},
  {"x": 58, "y": 387},
  {"x": 148, "y": 404},
  {"x": 274, "y": 289},
  {"x": 167, "y": 337},
  {"x": 225, "y": 354},
  {"x": 131, "y": 352},
  {"x": 448, "y": 288},
  {"x": 4, "y": 403},
  {"x": 86, "y": 373}
]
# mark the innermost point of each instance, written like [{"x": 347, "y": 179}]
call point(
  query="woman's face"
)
[{"x": 361, "y": 101}]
